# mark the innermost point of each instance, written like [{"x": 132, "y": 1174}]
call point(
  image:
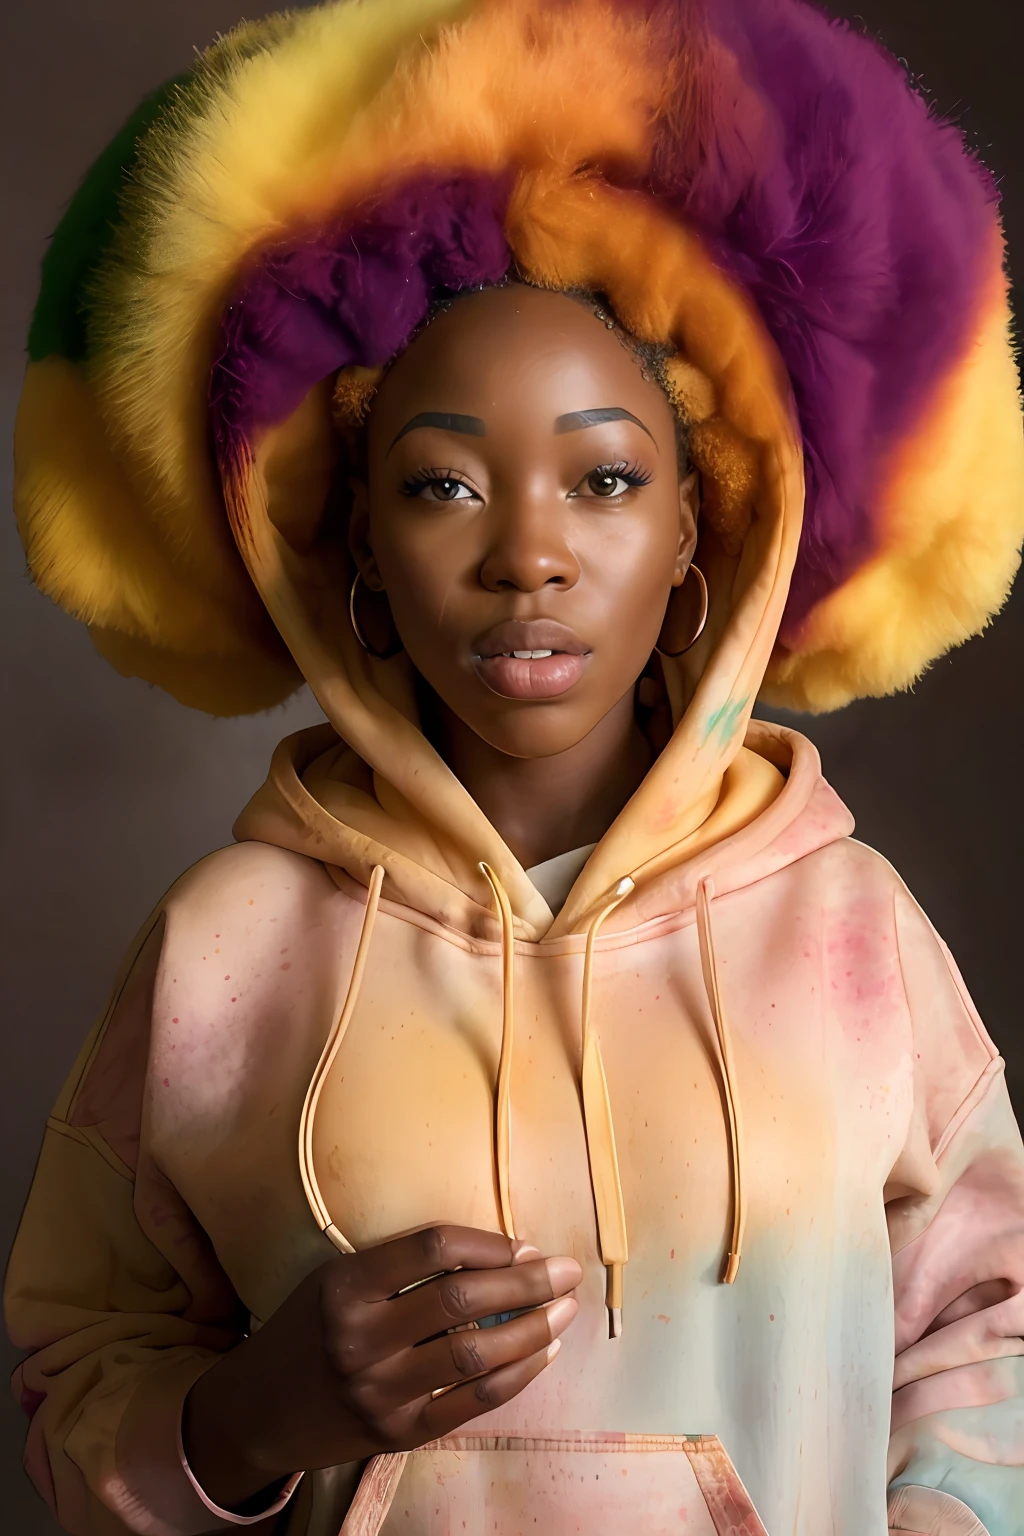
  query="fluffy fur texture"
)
[
  {"x": 792, "y": 148},
  {"x": 949, "y": 517},
  {"x": 860, "y": 227},
  {"x": 351, "y": 297}
]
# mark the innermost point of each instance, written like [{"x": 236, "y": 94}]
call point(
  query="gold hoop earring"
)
[
  {"x": 377, "y": 655},
  {"x": 704, "y": 604}
]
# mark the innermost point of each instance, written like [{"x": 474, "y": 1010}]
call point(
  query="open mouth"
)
[{"x": 530, "y": 659}]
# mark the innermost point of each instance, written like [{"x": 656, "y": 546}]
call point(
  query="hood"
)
[
  {"x": 320, "y": 800},
  {"x": 556, "y": 228}
]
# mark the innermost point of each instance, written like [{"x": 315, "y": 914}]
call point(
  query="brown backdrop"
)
[{"x": 110, "y": 789}]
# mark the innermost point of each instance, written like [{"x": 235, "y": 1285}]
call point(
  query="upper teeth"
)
[{"x": 531, "y": 655}]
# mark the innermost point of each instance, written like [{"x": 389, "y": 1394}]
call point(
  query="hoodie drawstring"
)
[
  {"x": 709, "y": 970},
  {"x": 316, "y": 1200},
  {"x": 602, "y": 1156},
  {"x": 600, "y": 1128},
  {"x": 503, "y": 1094}
]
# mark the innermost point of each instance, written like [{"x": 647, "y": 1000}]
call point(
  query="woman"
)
[{"x": 540, "y": 384}]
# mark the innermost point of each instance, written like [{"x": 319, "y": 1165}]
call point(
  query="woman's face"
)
[{"x": 524, "y": 514}]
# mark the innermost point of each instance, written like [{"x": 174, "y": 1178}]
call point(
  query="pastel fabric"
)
[{"x": 884, "y": 1179}]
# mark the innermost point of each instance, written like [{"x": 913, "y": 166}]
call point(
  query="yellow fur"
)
[
  {"x": 218, "y": 685},
  {"x": 354, "y": 390},
  {"x": 954, "y": 519},
  {"x": 91, "y": 547},
  {"x": 691, "y": 391},
  {"x": 296, "y": 120}
]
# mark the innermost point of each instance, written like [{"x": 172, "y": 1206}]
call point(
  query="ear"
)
[
  {"x": 689, "y": 506},
  {"x": 359, "y": 546}
]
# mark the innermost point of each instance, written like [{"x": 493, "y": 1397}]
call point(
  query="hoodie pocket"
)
[{"x": 599, "y": 1484}]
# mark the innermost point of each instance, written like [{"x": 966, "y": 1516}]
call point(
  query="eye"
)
[
  {"x": 601, "y": 482},
  {"x": 430, "y": 485},
  {"x": 445, "y": 490},
  {"x": 609, "y": 480}
]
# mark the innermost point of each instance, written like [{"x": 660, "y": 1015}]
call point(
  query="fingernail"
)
[
  {"x": 523, "y": 1253},
  {"x": 563, "y": 1274},
  {"x": 561, "y": 1312},
  {"x": 552, "y": 1350}
]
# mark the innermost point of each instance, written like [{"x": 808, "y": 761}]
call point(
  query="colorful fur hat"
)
[{"x": 744, "y": 180}]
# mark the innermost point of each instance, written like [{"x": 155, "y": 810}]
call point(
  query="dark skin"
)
[
  {"x": 523, "y": 494},
  {"x": 526, "y": 538}
]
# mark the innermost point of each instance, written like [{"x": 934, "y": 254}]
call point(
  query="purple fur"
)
[
  {"x": 349, "y": 295},
  {"x": 861, "y": 228},
  {"x": 820, "y": 182}
]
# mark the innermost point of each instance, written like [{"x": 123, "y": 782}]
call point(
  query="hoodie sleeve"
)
[
  {"x": 118, "y": 1311},
  {"x": 956, "y": 1222}
]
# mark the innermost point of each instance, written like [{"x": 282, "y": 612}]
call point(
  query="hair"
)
[{"x": 356, "y": 387}]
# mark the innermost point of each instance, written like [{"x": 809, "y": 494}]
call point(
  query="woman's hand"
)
[{"x": 348, "y": 1365}]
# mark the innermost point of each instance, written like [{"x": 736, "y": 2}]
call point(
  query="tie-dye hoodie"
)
[
  {"x": 776, "y": 984},
  {"x": 736, "y": 1074}
]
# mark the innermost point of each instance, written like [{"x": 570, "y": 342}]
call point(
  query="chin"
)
[{"x": 539, "y": 730}]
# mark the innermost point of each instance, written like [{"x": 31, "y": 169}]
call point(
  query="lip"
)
[{"x": 516, "y": 677}]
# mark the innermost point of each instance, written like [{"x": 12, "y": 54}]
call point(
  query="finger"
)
[
  {"x": 441, "y": 1415},
  {"x": 467, "y": 1296},
  {"x": 379, "y": 1272},
  {"x": 406, "y": 1377}
]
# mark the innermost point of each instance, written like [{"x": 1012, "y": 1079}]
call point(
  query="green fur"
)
[
  {"x": 83, "y": 236},
  {"x": 100, "y": 218},
  {"x": 162, "y": 127}
]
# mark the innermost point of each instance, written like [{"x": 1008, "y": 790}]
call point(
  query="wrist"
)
[{"x": 223, "y": 1446}]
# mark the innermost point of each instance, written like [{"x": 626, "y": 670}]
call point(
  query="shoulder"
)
[
  {"x": 260, "y": 910},
  {"x": 836, "y": 874},
  {"x": 256, "y": 942},
  {"x": 249, "y": 881},
  {"x": 952, "y": 1047},
  {"x": 850, "y": 859}
]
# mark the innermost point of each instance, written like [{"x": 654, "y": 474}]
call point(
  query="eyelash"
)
[
  {"x": 634, "y": 475},
  {"x": 423, "y": 477}
]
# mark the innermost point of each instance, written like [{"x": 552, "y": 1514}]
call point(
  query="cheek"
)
[
  {"x": 628, "y": 567},
  {"x": 420, "y": 566}
]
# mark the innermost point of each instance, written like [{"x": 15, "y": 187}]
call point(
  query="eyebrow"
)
[
  {"x": 471, "y": 426},
  {"x": 574, "y": 420}
]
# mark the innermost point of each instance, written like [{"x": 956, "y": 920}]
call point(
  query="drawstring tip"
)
[
  {"x": 732, "y": 1268},
  {"x": 339, "y": 1240},
  {"x": 613, "y": 1300}
]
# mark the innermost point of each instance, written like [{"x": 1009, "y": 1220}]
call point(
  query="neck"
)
[{"x": 544, "y": 806}]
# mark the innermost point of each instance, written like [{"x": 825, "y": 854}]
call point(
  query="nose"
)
[{"x": 528, "y": 549}]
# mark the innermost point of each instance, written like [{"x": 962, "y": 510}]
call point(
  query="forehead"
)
[{"x": 521, "y": 350}]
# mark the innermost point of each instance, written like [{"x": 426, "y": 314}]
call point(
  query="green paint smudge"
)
[{"x": 726, "y": 719}]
